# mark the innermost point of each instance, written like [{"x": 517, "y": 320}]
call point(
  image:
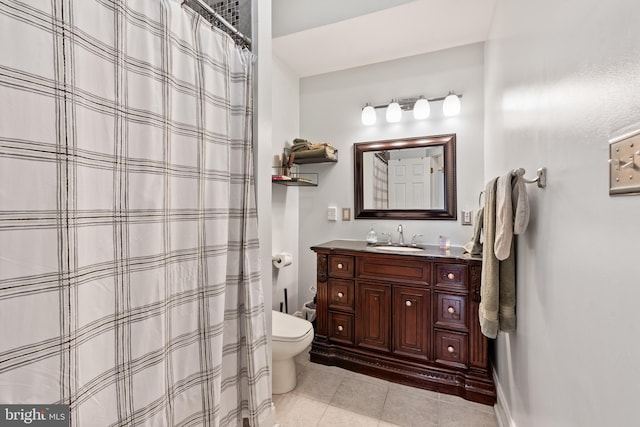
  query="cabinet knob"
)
[
  {"x": 451, "y": 276},
  {"x": 340, "y": 266},
  {"x": 451, "y": 310},
  {"x": 408, "y": 303},
  {"x": 450, "y": 349},
  {"x": 340, "y": 294},
  {"x": 340, "y": 328}
]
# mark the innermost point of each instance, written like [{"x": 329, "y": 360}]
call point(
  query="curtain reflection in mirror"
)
[{"x": 380, "y": 181}]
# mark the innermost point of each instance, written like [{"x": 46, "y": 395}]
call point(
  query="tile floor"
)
[{"x": 327, "y": 396}]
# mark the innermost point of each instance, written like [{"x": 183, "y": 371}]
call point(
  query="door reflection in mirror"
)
[{"x": 404, "y": 179}]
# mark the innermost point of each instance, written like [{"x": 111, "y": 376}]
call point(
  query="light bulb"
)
[
  {"x": 421, "y": 109},
  {"x": 394, "y": 113},
  {"x": 451, "y": 105},
  {"x": 368, "y": 115}
]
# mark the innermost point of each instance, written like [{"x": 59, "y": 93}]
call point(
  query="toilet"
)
[{"x": 290, "y": 336}]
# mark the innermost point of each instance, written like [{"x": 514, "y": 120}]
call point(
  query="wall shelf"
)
[
  {"x": 290, "y": 176},
  {"x": 294, "y": 178},
  {"x": 294, "y": 182}
]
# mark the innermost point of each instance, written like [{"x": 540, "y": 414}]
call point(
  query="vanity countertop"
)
[{"x": 429, "y": 251}]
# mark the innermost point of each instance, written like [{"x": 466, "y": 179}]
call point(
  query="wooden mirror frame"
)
[{"x": 449, "y": 212}]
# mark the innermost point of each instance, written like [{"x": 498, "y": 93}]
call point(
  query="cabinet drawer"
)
[
  {"x": 452, "y": 275},
  {"x": 341, "y": 295},
  {"x": 451, "y": 311},
  {"x": 452, "y": 348},
  {"x": 397, "y": 269},
  {"x": 341, "y": 328},
  {"x": 341, "y": 266}
]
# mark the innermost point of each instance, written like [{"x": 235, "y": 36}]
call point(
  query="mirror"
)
[{"x": 410, "y": 178}]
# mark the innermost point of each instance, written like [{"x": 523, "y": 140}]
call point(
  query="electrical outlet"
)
[
  {"x": 332, "y": 213},
  {"x": 466, "y": 217}
]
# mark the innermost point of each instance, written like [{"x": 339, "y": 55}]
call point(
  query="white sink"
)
[{"x": 399, "y": 248}]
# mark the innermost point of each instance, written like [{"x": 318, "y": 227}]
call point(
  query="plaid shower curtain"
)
[{"x": 129, "y": 270}]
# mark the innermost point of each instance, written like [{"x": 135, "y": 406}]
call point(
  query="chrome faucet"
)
[{"x": 401, "y": 237}]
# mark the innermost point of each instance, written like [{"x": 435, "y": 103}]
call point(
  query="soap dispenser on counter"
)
[{"x": 372, "y": 237}]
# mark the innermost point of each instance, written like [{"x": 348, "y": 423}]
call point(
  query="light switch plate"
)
[
  {"x": 346, "y": 214},
  {"x": 332, "y": 213},
  {"x": 466, "y": 217},
  {"x": 624, "y": 164}
]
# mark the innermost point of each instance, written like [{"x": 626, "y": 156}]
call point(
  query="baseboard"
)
[{"x": 503, "y": 413}]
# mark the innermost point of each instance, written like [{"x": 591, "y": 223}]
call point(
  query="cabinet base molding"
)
[{"x": 469, "y": 385}]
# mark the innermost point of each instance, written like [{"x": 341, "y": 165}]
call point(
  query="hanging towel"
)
[
  {"x": 504, "y": 217},
  {"x": 474, "y": 247},
  {"x": 520, "y": 201},
  {"x": 497, "y": 281},
  {"x": 512, "y": 211}
]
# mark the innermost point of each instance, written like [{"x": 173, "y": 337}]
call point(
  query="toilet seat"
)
[{"x": 287, "y": 328}]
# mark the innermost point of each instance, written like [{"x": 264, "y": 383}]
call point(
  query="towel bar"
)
[{"x": 541, "y": 180}]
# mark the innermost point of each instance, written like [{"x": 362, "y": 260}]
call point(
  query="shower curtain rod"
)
[{"x": 223, "y": 21}]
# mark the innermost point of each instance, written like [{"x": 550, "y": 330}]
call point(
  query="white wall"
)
[
  {"x": 330, "y": 106},
  {"x": 261, "y": 11},
  {"x": 562, "y": 78},
  {"x": 284, "y": 215}
]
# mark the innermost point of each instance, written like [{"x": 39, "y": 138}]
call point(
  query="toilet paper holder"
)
[{"x": 282, "y": 259}]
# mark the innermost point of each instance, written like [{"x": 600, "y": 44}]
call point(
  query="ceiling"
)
[{"x": 315, "y": 37}]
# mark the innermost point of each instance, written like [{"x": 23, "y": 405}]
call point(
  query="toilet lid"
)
[{"x": 285, "y": 327}]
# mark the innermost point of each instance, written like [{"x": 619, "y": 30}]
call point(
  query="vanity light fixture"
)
[
  {"x": 394, "y": 112},
  {"x": 421, "y": 109},
  {"x": 419, "y": 105},
  {"x": 368, "y": 115},
  {"x": 451, "y": 105}
]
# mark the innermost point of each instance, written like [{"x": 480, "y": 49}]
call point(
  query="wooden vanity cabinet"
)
[{"x": 411, "y": 319}]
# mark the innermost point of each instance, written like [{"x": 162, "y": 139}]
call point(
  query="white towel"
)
[
  {"x": 520, "y": 201},
  {"x": 504, "y": 217}
]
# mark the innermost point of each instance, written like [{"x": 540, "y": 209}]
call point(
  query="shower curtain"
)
[{"x": 129, "y": 267}]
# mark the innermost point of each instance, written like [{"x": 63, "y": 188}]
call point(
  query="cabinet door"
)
[
  {"x": 372, "y": 322},
  {"x": 411, "y": 317}
]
